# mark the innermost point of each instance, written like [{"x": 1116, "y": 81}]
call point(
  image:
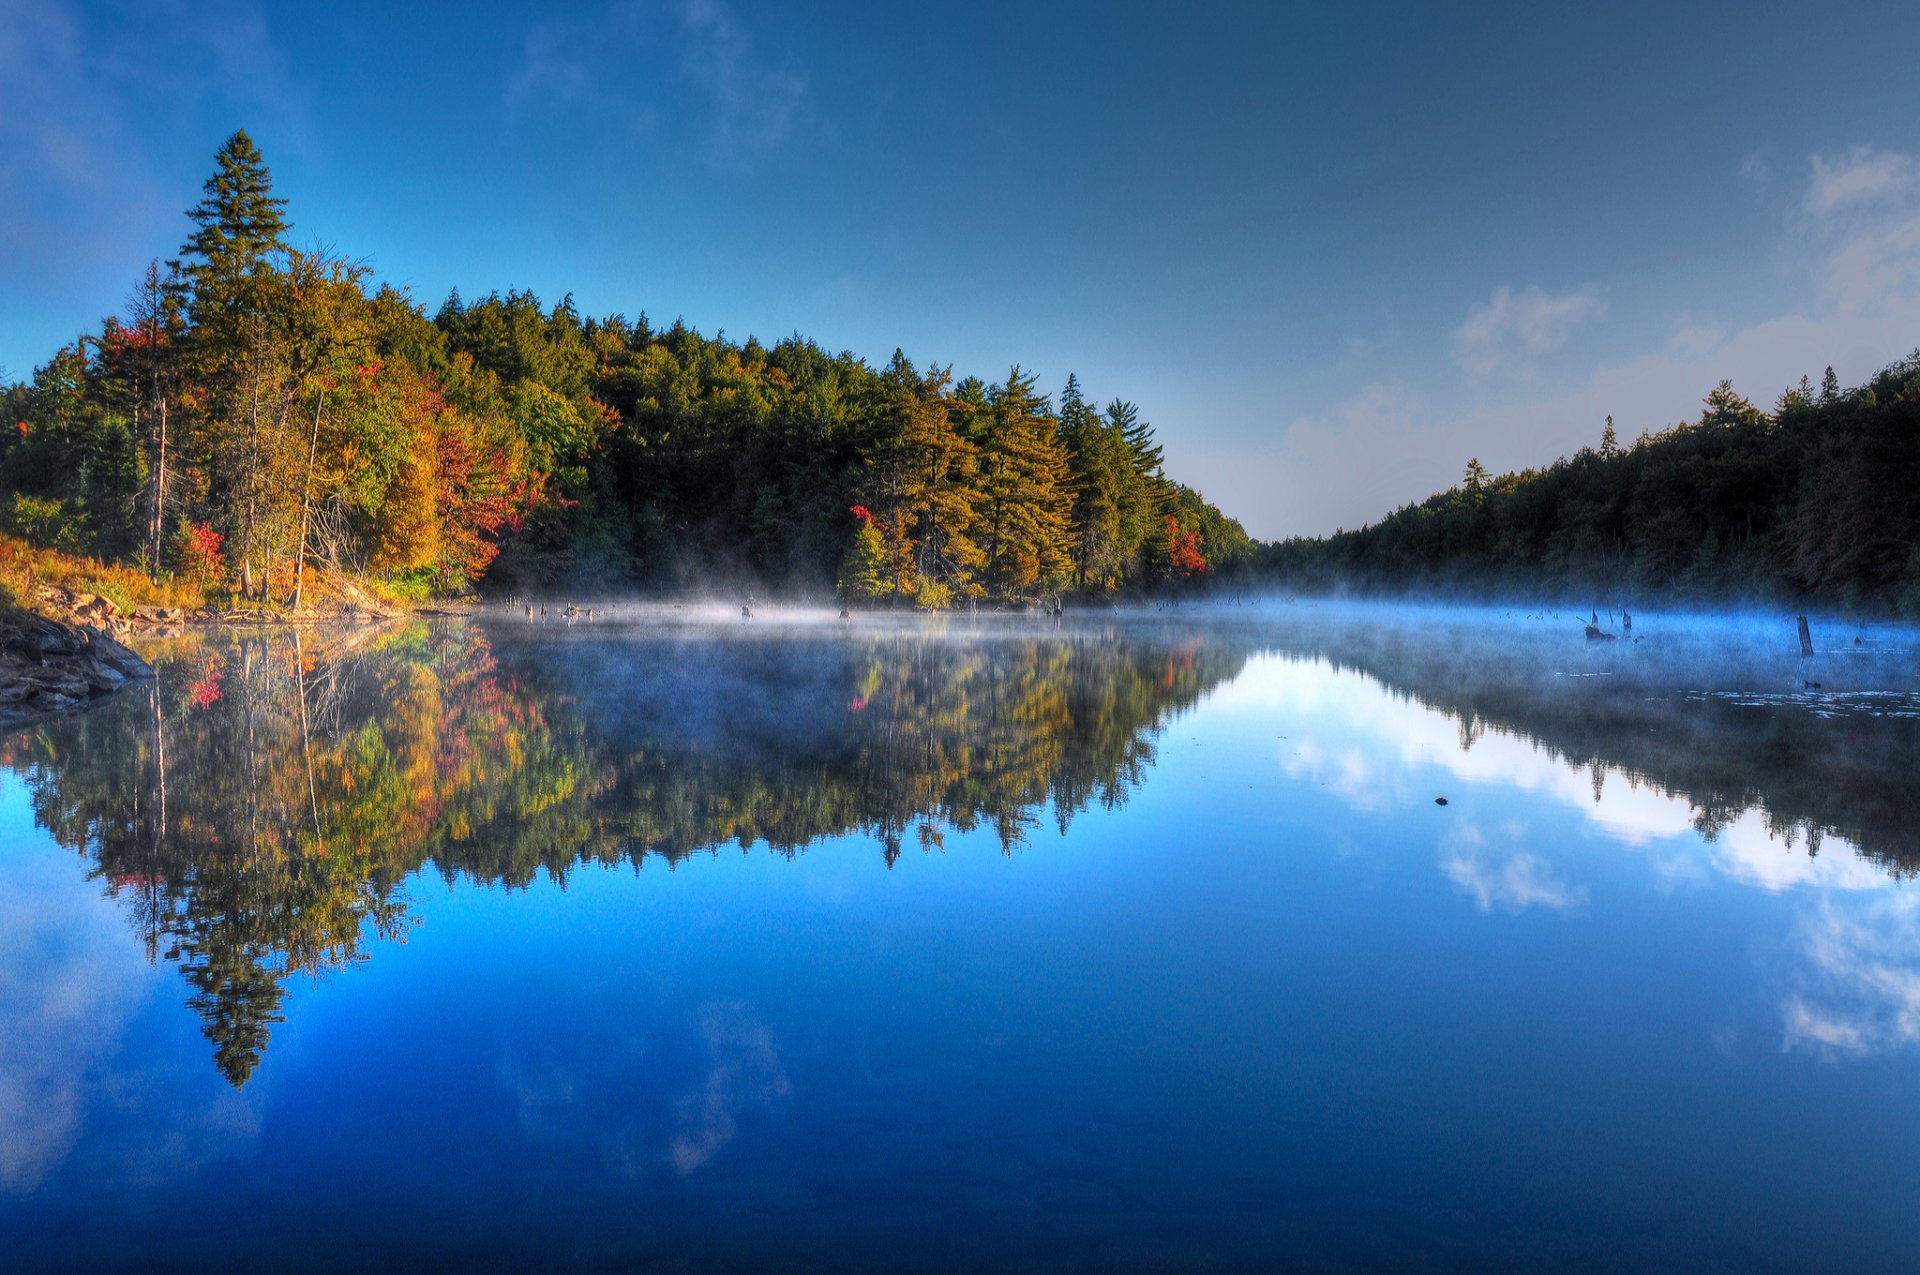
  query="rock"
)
[
  {"x": 48, "y": 666},
  {"x": 103, "y": 678},
  {"x": 110, "y": 654}
]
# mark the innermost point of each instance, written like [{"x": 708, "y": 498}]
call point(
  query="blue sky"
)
[{"x": 1331, "y": 252}]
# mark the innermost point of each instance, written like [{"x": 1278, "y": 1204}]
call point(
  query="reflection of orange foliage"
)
[{"x": 206, "y": 692}]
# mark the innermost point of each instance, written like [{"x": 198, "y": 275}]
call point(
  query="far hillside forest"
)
[
  {"x": 1816, "y": 502},
  {"x": 261, "y": 410}
]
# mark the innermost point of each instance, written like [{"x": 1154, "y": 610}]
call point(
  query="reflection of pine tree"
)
[
  {"x": 263, "y": 833},
  {"x": 237, "y": 989}
]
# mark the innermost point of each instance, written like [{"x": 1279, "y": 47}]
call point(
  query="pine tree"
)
[
  {"x": 1149, "y": 494},
  {"x": 1026, "y": 503},
  {"x": 238, "y": 228},
  {"x": 228, "y": 269}
]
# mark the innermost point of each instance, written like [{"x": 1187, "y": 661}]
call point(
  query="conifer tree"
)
[{"x": 1026, "y": 504}]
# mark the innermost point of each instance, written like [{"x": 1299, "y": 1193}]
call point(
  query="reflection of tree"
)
[
  {"x": 1811, "y": 770},
  {"x": 789, "y": 739},
  {"x": 257, "y": 807}
]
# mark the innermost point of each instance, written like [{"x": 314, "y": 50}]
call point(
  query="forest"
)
[
  {"x": 1816, "y": 503},
  {"x": 261, "y": 413}
]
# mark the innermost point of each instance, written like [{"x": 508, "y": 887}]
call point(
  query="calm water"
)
[{"x": 983, "y": 945}]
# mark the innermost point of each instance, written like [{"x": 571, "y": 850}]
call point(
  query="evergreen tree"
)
[
  {"x": 1026, "y": 504},
  {"x": 238, "y": 228}
]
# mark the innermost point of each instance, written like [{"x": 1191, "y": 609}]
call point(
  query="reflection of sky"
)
[
  {"x": 69, "y": 980},
  {"x": 77, "y": 1003},
  {"x": 1852, "y": 967},
  {"x": 1279, "y": 991},
  {"x": 1379, "y": 750}
]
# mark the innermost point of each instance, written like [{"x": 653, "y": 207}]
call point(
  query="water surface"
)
[{"x": 1118, "y": 943}]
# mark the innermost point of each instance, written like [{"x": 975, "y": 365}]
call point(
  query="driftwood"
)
[{"x": 1597, "y": 634}]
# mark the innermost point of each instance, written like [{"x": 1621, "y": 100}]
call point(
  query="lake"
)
[{"x": 674, "y": 940}]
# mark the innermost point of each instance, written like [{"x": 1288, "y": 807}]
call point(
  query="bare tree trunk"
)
[
  {"x": 306, "y": 505},
  {"x": 154, "y": 536},
  {"x": 306, "y": 732},
  {"x": 253, "y": 466}
]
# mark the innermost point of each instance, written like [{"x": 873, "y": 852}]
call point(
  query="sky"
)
[{"x": 1332, "y": 252}]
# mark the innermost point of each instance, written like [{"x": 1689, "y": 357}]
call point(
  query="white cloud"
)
[
  {"x": 1510, "y": 331},
  {"x": 1390, "y": 444},
  {"x": 1863, "y": 176}
]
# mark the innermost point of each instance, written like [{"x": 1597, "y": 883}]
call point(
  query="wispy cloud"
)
[
  {"x": 615, "y": 63},
  {"x": 1857, "y": 264},
  {"x": 754, "y": 103},
  {"x": 1861, "y": 177},
  {"x": 1510, "y": 331},
  {"x": 86, "y": 97}
]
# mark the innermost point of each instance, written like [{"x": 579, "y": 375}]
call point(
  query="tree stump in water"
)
[{"x": 1806, "y": 639}]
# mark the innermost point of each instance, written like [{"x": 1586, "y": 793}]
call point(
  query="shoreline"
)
[{"x": 68, "y": 650}]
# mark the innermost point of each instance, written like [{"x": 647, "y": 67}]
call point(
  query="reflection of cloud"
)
[
  {"x": 1369, "y": 746},
  {"x": 745, "y": 1070},
  {"x": 609, "y": 1095},
  {"x": 1512, "y": 882},
  {"x": 69, "y": 981},
  {"x": 1859, "y": 990},
  {"x": 1748, "y": 850}
]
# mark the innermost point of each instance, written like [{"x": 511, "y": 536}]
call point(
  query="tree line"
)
[
  {"x": 1816, "y": 502},
  {"x": 261, "y": 410}
]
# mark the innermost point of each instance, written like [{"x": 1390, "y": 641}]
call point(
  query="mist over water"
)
[{"x": 1129, "y": 939}]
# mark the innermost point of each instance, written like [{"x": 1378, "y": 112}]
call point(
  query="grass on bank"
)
[{"x": 27, "y": 568}]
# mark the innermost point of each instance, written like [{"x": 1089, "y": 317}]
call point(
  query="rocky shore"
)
[
  {"x": 50, "y": 666},
  {"x": 69, "y": 649}
]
